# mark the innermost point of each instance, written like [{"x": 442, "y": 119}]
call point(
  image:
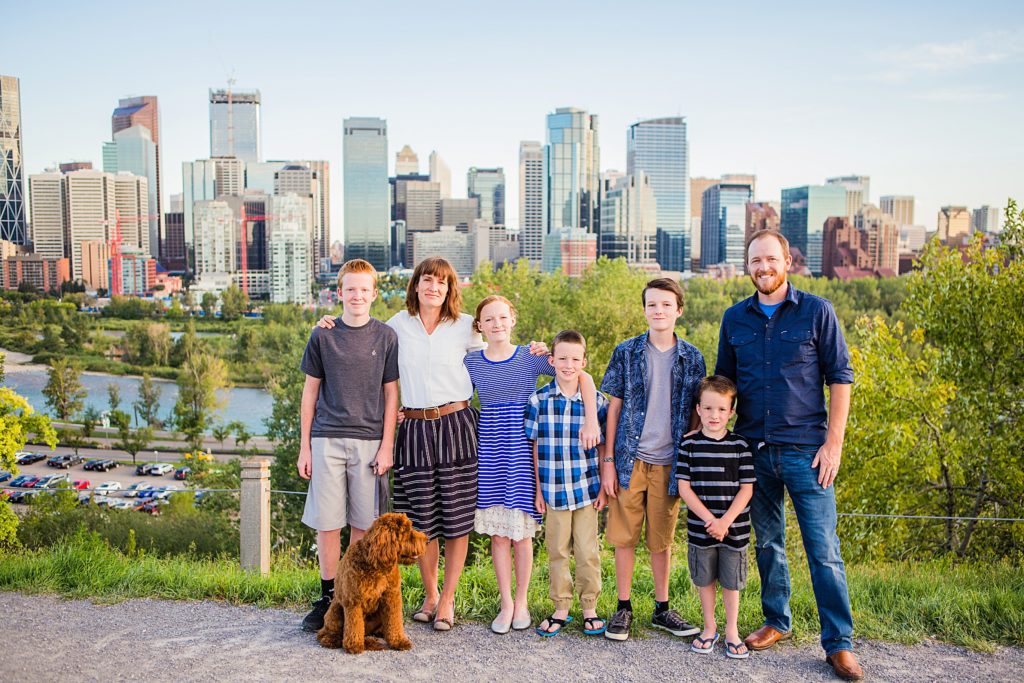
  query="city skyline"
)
[{"x": 949, "y": 79}]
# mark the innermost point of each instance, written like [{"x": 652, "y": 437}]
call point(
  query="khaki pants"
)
[{"x": 573, "y": 531}]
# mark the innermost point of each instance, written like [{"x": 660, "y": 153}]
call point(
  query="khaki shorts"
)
[
  {"x": 342, "y": 490},
  {"x": 646, "y": 499},
  {"x": 719, "y": 563}
]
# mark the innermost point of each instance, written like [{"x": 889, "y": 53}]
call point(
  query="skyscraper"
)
[
  {"x": 440, "y": 173},
  {"x": 235, "y": 124},
  {"x": 45, "y": 194},
  {"x": 954, "y": 224},
  {"x": 367, "y": 215},
  {"x": 487, "y": 185},
  {"x": 12, "y": 184},
  {"x": 532, "y": 207},
  {"x": 660, "y": 149},
  {"x": 900, "y": 207},
  {"x": 857, "y": 191},
  {"x": 697, "y": 187},
  {"x": 206, "y": 180},
  {"x": 89, "y": 216},
  {"x": 573, "y": 184},
  {"x": 133, "y": 151},
  {"x": 291, "y": 269},
  {"x": 802, "y": 220},
  {"x": 301, "y": 180},
  {"x": 883, "y": 236},
  {"x": 458, "y": 212},
  {"x": 131, "y": 202},
  {"x": 629, "y": 218},
  {"x": 987, "y": 219},
  {"x": 723, "y": 224},
  {"x": 406, "y": 162},
  {"x": 144, "y": 111}
]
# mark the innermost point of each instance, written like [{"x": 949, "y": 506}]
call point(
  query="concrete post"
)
[{"x": 254, "y": 520}]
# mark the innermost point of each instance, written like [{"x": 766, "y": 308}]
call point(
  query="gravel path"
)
[{"x": 50, "y": 639}]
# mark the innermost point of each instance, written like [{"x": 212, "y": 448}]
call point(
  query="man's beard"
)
[{"x": 773, "y": 284}]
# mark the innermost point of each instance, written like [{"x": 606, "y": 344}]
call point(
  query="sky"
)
[{"x": 926, "y": 98}]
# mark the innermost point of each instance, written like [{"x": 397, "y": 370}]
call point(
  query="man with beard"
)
[{"x": 780, "y": 347}]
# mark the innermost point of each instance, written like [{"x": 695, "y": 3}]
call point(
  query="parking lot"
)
[{"x": 122, "y": 482}]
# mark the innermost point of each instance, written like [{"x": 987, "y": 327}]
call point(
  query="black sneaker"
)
[
  {"x": 314, "y": 621},
  {"x": 670, "y": 621},
  {"x": 618, "y": 627}
]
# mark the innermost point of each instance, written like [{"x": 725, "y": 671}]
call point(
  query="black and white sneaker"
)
[
  {"x": 618, "y": 626},
  {"x": 670, "y": 621},
  {"x": 314, "y": 621}
]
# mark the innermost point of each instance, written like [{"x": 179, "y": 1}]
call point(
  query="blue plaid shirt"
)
[
  {"x": 626, "y": 379},
  {"x": 569, "y": 476}
]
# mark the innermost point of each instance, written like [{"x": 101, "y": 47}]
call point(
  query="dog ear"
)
[{"x": 384, "y": 541}]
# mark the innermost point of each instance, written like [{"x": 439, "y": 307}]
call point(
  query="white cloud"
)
[{"x": 901, "y": 63}]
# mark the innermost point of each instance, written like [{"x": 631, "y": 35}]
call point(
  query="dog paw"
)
[
  {"x": 331, "y": 639},
  {"x": 403, "y": 644},
  {"x": 372, "y": 644}
]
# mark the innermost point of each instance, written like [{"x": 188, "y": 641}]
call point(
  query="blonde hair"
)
[
  {"x": 438, "y": 267},
  {"x": 486, "y": 302}
]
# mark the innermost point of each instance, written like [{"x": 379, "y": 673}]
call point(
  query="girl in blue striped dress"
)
[{"x": 504, "y": 376}]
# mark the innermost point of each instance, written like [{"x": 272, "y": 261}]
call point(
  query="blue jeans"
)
[{"x": 788, "y": 468}]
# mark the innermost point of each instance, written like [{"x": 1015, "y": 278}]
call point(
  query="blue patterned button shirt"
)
[
  {"x": 569, "y": 476},
  {"x": 626, "y": 379}
]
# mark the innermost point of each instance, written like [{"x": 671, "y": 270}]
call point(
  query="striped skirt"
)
[{"x": 436, "y": 473}]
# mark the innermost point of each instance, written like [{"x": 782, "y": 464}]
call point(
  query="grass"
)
[{"x": 980, "y": 606}]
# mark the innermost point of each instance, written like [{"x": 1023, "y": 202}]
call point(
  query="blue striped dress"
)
[{"x": 505, "y": 472}]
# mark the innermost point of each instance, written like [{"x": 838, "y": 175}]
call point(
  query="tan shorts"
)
[
  {"x": 646, "y": 498},
  {"x": 343, "y": 486}
]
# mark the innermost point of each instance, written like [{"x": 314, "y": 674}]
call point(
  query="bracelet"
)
[{"x": 607, "y": 459}]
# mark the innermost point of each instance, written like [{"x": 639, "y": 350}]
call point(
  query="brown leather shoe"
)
[
  {"x": 764, "y": 637},
  {"x": 844, "y": 663}
]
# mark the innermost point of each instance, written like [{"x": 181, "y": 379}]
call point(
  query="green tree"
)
[
  {"x": 242, "y": 435},
  {"x": 89, "y": 418},
  {"x": 18, "y": 420},
  {"x": 147, "y": 405},
  {"x": 147, "y": 343},
  {"x": 75, "y": 331},
  {"x": 63, "y": 391},
  {"x": 114, "y": 396},
  {"x": 221, "y": 432},
  {"x": 209, "y": 304},
  {"x": 129, "y": 440},
  {"x": 200, "y": 378},
  {"x": 233, "y": 303}
]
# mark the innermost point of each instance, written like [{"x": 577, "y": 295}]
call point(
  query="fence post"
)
[{"x": 254, "y": 515}]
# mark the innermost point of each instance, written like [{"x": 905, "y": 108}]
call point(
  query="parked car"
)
[
  {"x": 81, "y": 484},
  {"x": 122, "y": 504},
  {"x": 103, "y": 501},
  {"x": 4, "y": 476},
  {"x": 84, "y": 498},
  {"x": 91, "y": 464},
  {"x": 181, "y": 474},
  {"x": 143, "y": 468},
  {"x": 67, "y": 461},
  {"x": 53, "y": 460},
  {"x": 32, "y": 480},
  {"x": 160, "y": 469},
  {"x": 152, "y": 507},
  {"x": 164, "y": 492},
  {"x": 27, "y": 458},
  {"x": 148, "y": 492},
  {"x": 16, "y": 497},
  {"x": 21, "y": 479},
  {"x": 51, "y": 482},
  {"x": 135, "y": 490},
  {"x": 108, "y": 487},
  {"x": 106, "y": 465}
]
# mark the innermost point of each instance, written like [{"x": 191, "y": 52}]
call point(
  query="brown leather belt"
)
[{"x": 436, "y": 412}]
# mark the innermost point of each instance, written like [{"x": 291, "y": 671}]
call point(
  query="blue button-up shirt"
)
[
  {"x": 626, "y": 379},
  {"x": 780, "y": 366}
]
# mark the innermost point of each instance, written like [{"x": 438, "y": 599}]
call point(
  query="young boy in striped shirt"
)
[{"x": 716, "y": 481}]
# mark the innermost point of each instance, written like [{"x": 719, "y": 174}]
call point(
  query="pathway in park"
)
[{"x": 47, "y": 639}]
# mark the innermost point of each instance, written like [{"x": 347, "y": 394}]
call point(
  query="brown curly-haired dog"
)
[{"x": 368, "y": 589}]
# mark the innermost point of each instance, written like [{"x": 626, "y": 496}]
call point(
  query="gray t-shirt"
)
[
  {"x": 656, "y": 445},
  {"x": 354, "y": 363}
]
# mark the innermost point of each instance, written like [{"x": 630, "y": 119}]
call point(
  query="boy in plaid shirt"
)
[{"x": 568, "y": 484}]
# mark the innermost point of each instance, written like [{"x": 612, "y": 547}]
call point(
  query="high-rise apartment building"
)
[
  {"x": 464, "y": 250},
  {"x": 407, "y": 162},
  {"x": 900, "y": 207},
  {"x": 659, "y": 147},
  {"x": 172, "y": 248},
  {"x": 46, "y": 199},
  {"x": 987, "y": 219},
  {"x": 458, "y": 212},
  {"x": 487, "y": 186},
  {"x": 857, "y": 191},
  {"x": 13, "y": 227},
  {"x": 131, "y": 203},
  {"x": 573, "y": 184},
  {"x": 866, "y": 246},
  {"x": 208, "y": 179},
  {"x": 883, "y": 236},
  {"x": 133, "y": 151},
  {"x": 144, "y": 111},
  {"x": 89, "y": 216},
  {"x": 291, "y": 267},
  {"x": 301, "y": 180},
  {"x": 802, "y": 219},
  {"x": 629, "y": 220},
  {"x": 441, "y": 174},
  {"x": 235, "y": 124},
  {"x": 954, "y": 224},
  {"x": 761, "y": 216},
  {"x": 723, "y": 224},
  {"x": 367, "y": 215},
  {"x": 414, "y": 209},
  {"x": 215, "y": 236},
  {"x": 532, "y": 207}
]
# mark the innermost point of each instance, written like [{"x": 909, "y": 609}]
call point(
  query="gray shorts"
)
[
  {"x": 727, "y": 566},
  {"x": 343, "y": 486}
]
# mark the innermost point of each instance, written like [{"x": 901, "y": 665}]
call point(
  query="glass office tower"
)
[
  {"x": 488, "y": 186},
  {"x": 723, "y": 224},
  {"x": 659, "y": 147},
  {"x": 365, "y": 175},
  {"x": 802, "y": 221},
  {"x": 573, "y": 159},
  {"x": 235, "y": 124},
  {"x": 12, "y": 184}
]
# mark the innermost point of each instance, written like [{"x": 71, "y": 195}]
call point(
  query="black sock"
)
[
  {"x": 660, "y": 607},
  {"x": 625, "y": 604},
  {"x": 327, "y": 588}
]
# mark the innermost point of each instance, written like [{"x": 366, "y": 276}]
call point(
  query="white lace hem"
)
[{"x": 502, "y": 521}]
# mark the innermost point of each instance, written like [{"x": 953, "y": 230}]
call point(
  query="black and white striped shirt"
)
[{"x": 715, "y": 470}]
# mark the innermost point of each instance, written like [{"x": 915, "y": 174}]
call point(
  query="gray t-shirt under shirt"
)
[
  {"x": 354, "y": 364},
  {"x": 656, "y": 445}
]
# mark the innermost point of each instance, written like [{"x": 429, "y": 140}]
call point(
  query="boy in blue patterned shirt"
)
[{"x": 568, "y": 484}]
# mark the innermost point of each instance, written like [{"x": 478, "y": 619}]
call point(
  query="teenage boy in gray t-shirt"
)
[{"x": 348, "y": 418}]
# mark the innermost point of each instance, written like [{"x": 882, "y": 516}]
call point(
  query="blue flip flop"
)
[
  {"x": 560, "y": 623},
  {"x": 594, "y": 631},
  {"x": 703, "y": 641}
]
